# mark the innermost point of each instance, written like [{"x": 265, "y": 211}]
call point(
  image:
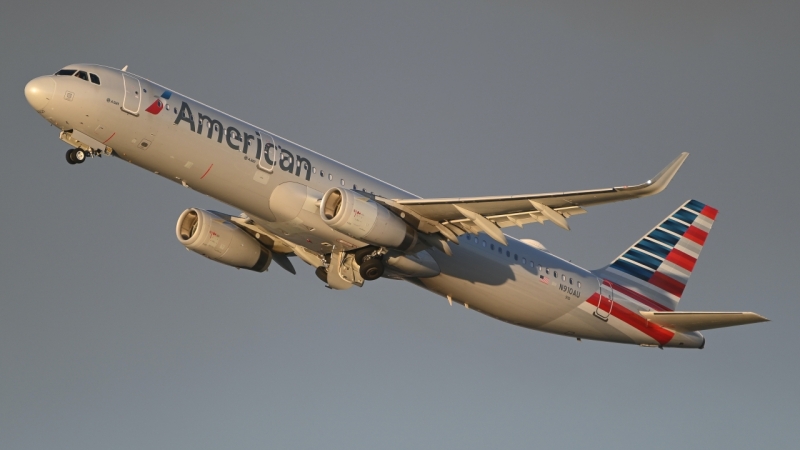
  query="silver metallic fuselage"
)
[{"x": 282, "y": 198}]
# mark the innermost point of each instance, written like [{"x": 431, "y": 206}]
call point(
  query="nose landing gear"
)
[{"x": 76, "y": 156}]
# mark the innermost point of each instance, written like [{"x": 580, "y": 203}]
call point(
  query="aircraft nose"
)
[{"x": 39, "y": 91}]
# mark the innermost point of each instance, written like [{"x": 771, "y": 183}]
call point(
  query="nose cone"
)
[{"x": 39, "y": 91}]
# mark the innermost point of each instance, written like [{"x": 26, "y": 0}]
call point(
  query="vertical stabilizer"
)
[{"x": 655, "y": 270}]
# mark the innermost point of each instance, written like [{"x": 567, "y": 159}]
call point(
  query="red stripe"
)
[
  {"x": 709, "y": 212},
  {"x": 696, "y": 234},
  {"x": 207, "y": 170},
  {"x": 681, "y": 259},
  {"x": 112, "y": 135},
  {"x": 667, "y": 283},
  {"x": 657, "y": 332},
  {"x": 641, "y": 298}
]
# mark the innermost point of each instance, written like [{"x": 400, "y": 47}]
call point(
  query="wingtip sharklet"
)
[{"x": 660, "y": 181}]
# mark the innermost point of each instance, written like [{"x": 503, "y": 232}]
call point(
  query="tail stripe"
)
[
  {"x": 681, "y": 259},
  {"x": 664, "y": 237},
  {"x": 666, "y": 256},
  {"x": 685, "y": 216},
  {"x": 653, "y": 247},
  {"x": 676, "y": 227},
  {"x": 696, "y": 234},
  {"x": 642, "y": 258},
  {"x": 694, "y": 205},
  {"x": 709, "y": 212},
  {"x": 632, "y": 269}
]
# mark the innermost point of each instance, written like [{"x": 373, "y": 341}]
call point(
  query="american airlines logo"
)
[{"x": 243, "y": 141}]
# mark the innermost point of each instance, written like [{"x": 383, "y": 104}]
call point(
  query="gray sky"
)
[{"x": 113, "y": 336}]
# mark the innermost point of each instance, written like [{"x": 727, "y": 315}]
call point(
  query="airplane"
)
[{"x": 353, "y": 228}]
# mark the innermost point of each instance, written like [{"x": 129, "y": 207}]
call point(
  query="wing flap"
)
[
  {"x": 696, "y": 321},
  {"x": 517, "y": 210}
]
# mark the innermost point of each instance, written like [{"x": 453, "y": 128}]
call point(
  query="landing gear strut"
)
[{"x": 76, "y": 156}]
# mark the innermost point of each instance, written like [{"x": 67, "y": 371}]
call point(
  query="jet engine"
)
[
  {"x": 362, "y": 218},
  {"x": 215, "y": 238}
]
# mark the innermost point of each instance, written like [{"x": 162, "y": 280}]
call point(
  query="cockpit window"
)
[
  {"x": 95, "y": 78},
  {"x": 82, "y": 75},
  {"x": 66, "y": 72}
]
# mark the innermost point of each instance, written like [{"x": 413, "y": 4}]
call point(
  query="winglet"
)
[{"x": 660, "y": 181}]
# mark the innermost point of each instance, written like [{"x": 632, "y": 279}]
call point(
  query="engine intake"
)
[
  {"x": 215, "y": 238},
  {"x": 362, "y": 218}
]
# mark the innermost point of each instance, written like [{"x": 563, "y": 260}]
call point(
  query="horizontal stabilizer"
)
[{"x": 696, "y": 321}]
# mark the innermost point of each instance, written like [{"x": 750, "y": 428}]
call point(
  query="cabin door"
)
[
  {"x": 132, "y": 99},
  {"x": 269, "y": 156},
  {"x": 606, "y": 302}
]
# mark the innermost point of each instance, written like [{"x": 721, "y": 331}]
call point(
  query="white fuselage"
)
[{"x": 280, "y": 188}]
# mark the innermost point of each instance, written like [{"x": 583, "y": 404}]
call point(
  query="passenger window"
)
[
  {"x": 469, "y": 237},
  {"x": 570, "y": 281},
  {"x": 82, "y": 75},
  {"x": 563, "y": 278},
  {"x": 492, "y": 245},
  {"x": 342, "y": 181},
  {"x": 484, "y": 243},
  {"x": 330, "y": 177},
  {"x": 508, "y": 254},
  {"x": 95, "y": 79},
  {"x": 313, "y": 170},
  {"x": 523, "y": 260},
  {"x": 516, "y": 258},
  {"x": 547, "y": 271},
  {"x": 531, "y": 264},
  {"x": 355, "y": 188},
  {"x": 579, "y": 284},
  {"x": 500, "y": 249}
]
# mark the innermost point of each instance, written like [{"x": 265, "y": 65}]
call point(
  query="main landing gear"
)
[
  {"x": 370, "y": 264},
  {"x": 343, "y": 270}
]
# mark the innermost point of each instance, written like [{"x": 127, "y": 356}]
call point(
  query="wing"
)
[
  {"x": 696, "y": 321},
  {"x": 452, "y": 217}
]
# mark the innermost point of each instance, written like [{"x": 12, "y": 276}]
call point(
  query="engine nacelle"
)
[
  {"x": 362, "y": 218},
  {"x": 218, "y": 239}
]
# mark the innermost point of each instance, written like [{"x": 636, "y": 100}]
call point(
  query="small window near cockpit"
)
[
  {"x": 66, "y": 72},
  {"x": 95, "y": 79},
  {"x": 82, "y": 75}
]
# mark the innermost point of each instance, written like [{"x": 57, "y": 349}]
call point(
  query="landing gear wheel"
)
[
  {"x": 371, "y": 269},
  {"x": 362, "y": 253},
  {"x": 76, "y": 156},
  {"x": 322, "y": 274}
]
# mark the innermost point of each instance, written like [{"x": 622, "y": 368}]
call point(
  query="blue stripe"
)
[
  {"x": 642, "y": 258},
  {"x": 664, "y": 237},
  {"x": 675, "y": 227},
  {"x": 166, "y": 95},
  {"x": 632, "y": 269},
  {"x": 652, "y": 247},
  {"x": 694, "y": 205},
  {"x": 685, "y": 216}
]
